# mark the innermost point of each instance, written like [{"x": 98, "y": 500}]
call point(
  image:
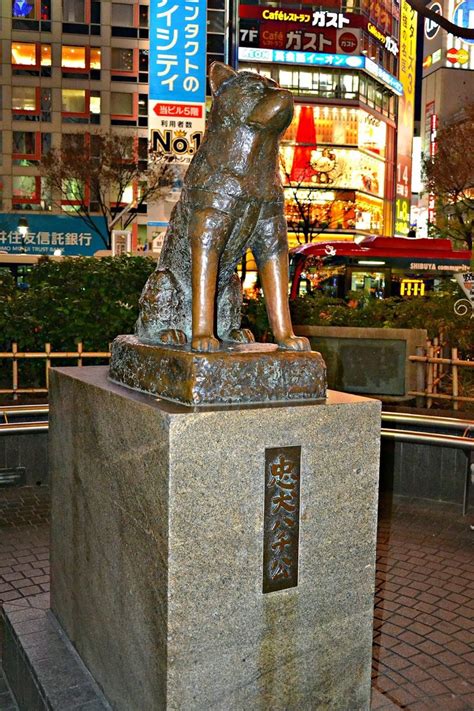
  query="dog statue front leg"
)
[
  {"x": 208, "y": 231},
  {"x": 274, "y": 278}
]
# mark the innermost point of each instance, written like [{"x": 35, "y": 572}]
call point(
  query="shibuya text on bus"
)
[{"x": 378, "y": 267}]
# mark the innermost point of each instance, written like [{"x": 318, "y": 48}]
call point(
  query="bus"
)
[{"x": 378, "y": 267}]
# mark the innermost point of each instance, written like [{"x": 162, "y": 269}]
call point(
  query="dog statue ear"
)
[{"x": 218, "y": 74}]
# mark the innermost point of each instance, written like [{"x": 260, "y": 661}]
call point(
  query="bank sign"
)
[
  {"x": 177, "y": 86},
  {"x": 51, "y": 234}
]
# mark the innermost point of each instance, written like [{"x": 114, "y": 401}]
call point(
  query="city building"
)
[
  {"x": 70, "y": 68},
  {"x": 447, "y": 85},
  {"x": 74, "y": 67},
  {"x": 342, "y": 62}
]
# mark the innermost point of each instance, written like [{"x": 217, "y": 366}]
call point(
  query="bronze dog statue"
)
[{"x": 232, "y": 200}]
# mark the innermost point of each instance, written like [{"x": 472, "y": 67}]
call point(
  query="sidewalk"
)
[{"x": 423, "y": 656}]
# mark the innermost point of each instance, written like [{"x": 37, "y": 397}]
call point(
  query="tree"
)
[
  {"x": 307, "y": 217},
  {"x": 104, "y": 174},
  {"x": 449, "y": 176}
]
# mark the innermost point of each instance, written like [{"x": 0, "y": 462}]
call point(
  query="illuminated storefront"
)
[
  {"x": 338, "y": 155},
  {"x": 334, "y": 167}
]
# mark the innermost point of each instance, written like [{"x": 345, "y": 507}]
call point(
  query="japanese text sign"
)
[{"x": 178, "y": 50}]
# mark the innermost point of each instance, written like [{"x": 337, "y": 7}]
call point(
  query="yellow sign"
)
[
  {"x": 412, "y": 287},
  {"x": 406, "y": 109}
]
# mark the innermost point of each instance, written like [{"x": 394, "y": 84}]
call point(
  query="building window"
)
[
  {"x": 80, "y": 106},
  {"x": 81, "y": 17},
  {"x": 31, "y": 104},
  {"x": 29, "y": 146},
  {"x": 74, "y": 11},
  {"x": 73, "y": 101},
  {"x": 121, "y": 104},
  {"x": 24, "y": 98},
  {"x": 26, "y": 188},
  {"x": 24, "y": 54},
  {"x": 122, "y": 14},
  {"x": 31, "y": 58},
  {"x": 73, "y": 57},
  {"x": 81, "y": 62},
  {"x": 122, "y": 59},
  {"x": 143, "y": 15}
]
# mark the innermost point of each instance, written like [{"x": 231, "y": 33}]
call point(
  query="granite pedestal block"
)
[{"x": 157, "y": 548}]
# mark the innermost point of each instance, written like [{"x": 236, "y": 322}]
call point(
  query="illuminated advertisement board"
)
[
  {"x": 308, "y": 30},
  {"x": 177, "y": 85},
  {"x": 405, "y": 119},
  {"x": 341, "y": 61}
]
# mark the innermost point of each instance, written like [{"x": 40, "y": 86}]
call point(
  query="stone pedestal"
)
[
  {"x": 158, "y": 546},
  {"x": 236, "y": 374}
]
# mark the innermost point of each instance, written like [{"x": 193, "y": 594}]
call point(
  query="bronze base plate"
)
[{"x": 236, "y": 374}]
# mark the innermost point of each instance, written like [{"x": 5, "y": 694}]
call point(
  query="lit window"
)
[
  {"x": 45, "y": 55},
  {"x": 74, "y": 11},
  {"x": 122, "y": 14},
  {"x": 95, "y": 102},
  {"x": 24, "y": 9},
  {"x": 74, "y": 101},
  {"x": 23, "y": 98},
  {"x": 73, "y": 57},
  {"x": 95, "y": 58},
  {"x": 122, "y": 59},
  {"x": 121, "y": 104},
  {"x": 25, "y": 186},
  {"x": 24, "y": 53}
]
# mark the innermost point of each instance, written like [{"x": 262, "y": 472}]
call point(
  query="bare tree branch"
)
[{"x": 92, "y": 177}]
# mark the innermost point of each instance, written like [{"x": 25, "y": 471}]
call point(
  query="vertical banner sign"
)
[
  {"x": 406, "y": 105},
  {"x": 177, "y": 87},
  {"x": 282, "y": 518}
]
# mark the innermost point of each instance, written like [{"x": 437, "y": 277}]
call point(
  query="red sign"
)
[
  {"x": 348, "y": 42},
  {"x": 178, "y": 110}
]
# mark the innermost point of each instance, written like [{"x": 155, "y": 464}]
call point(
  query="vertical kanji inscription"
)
[{"x": 282, "y": 518}]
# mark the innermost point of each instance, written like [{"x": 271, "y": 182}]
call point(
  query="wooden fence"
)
[
  {"x": 15, "y": 356},
  {"x": 438, "y": 375},
  {"x": 438, "y": 372}
]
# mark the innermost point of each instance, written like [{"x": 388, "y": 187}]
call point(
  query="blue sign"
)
[
  {"x": 50, "y": 234},
  {"x": 380, "y": 73},
  {"x": 463, "y": 16},
  {"x": 284, "y": 56},
  {"x": 319, "y": 59},
  {"x": 177, "y": 50}
]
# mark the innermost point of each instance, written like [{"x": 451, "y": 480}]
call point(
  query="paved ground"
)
[{"x": 423, "y": 656}]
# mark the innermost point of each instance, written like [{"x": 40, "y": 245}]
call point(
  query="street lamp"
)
[{"x": 23, "y": 230}]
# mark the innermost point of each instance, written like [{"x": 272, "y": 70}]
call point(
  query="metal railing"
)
[{"x": 463, "y": 442}]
